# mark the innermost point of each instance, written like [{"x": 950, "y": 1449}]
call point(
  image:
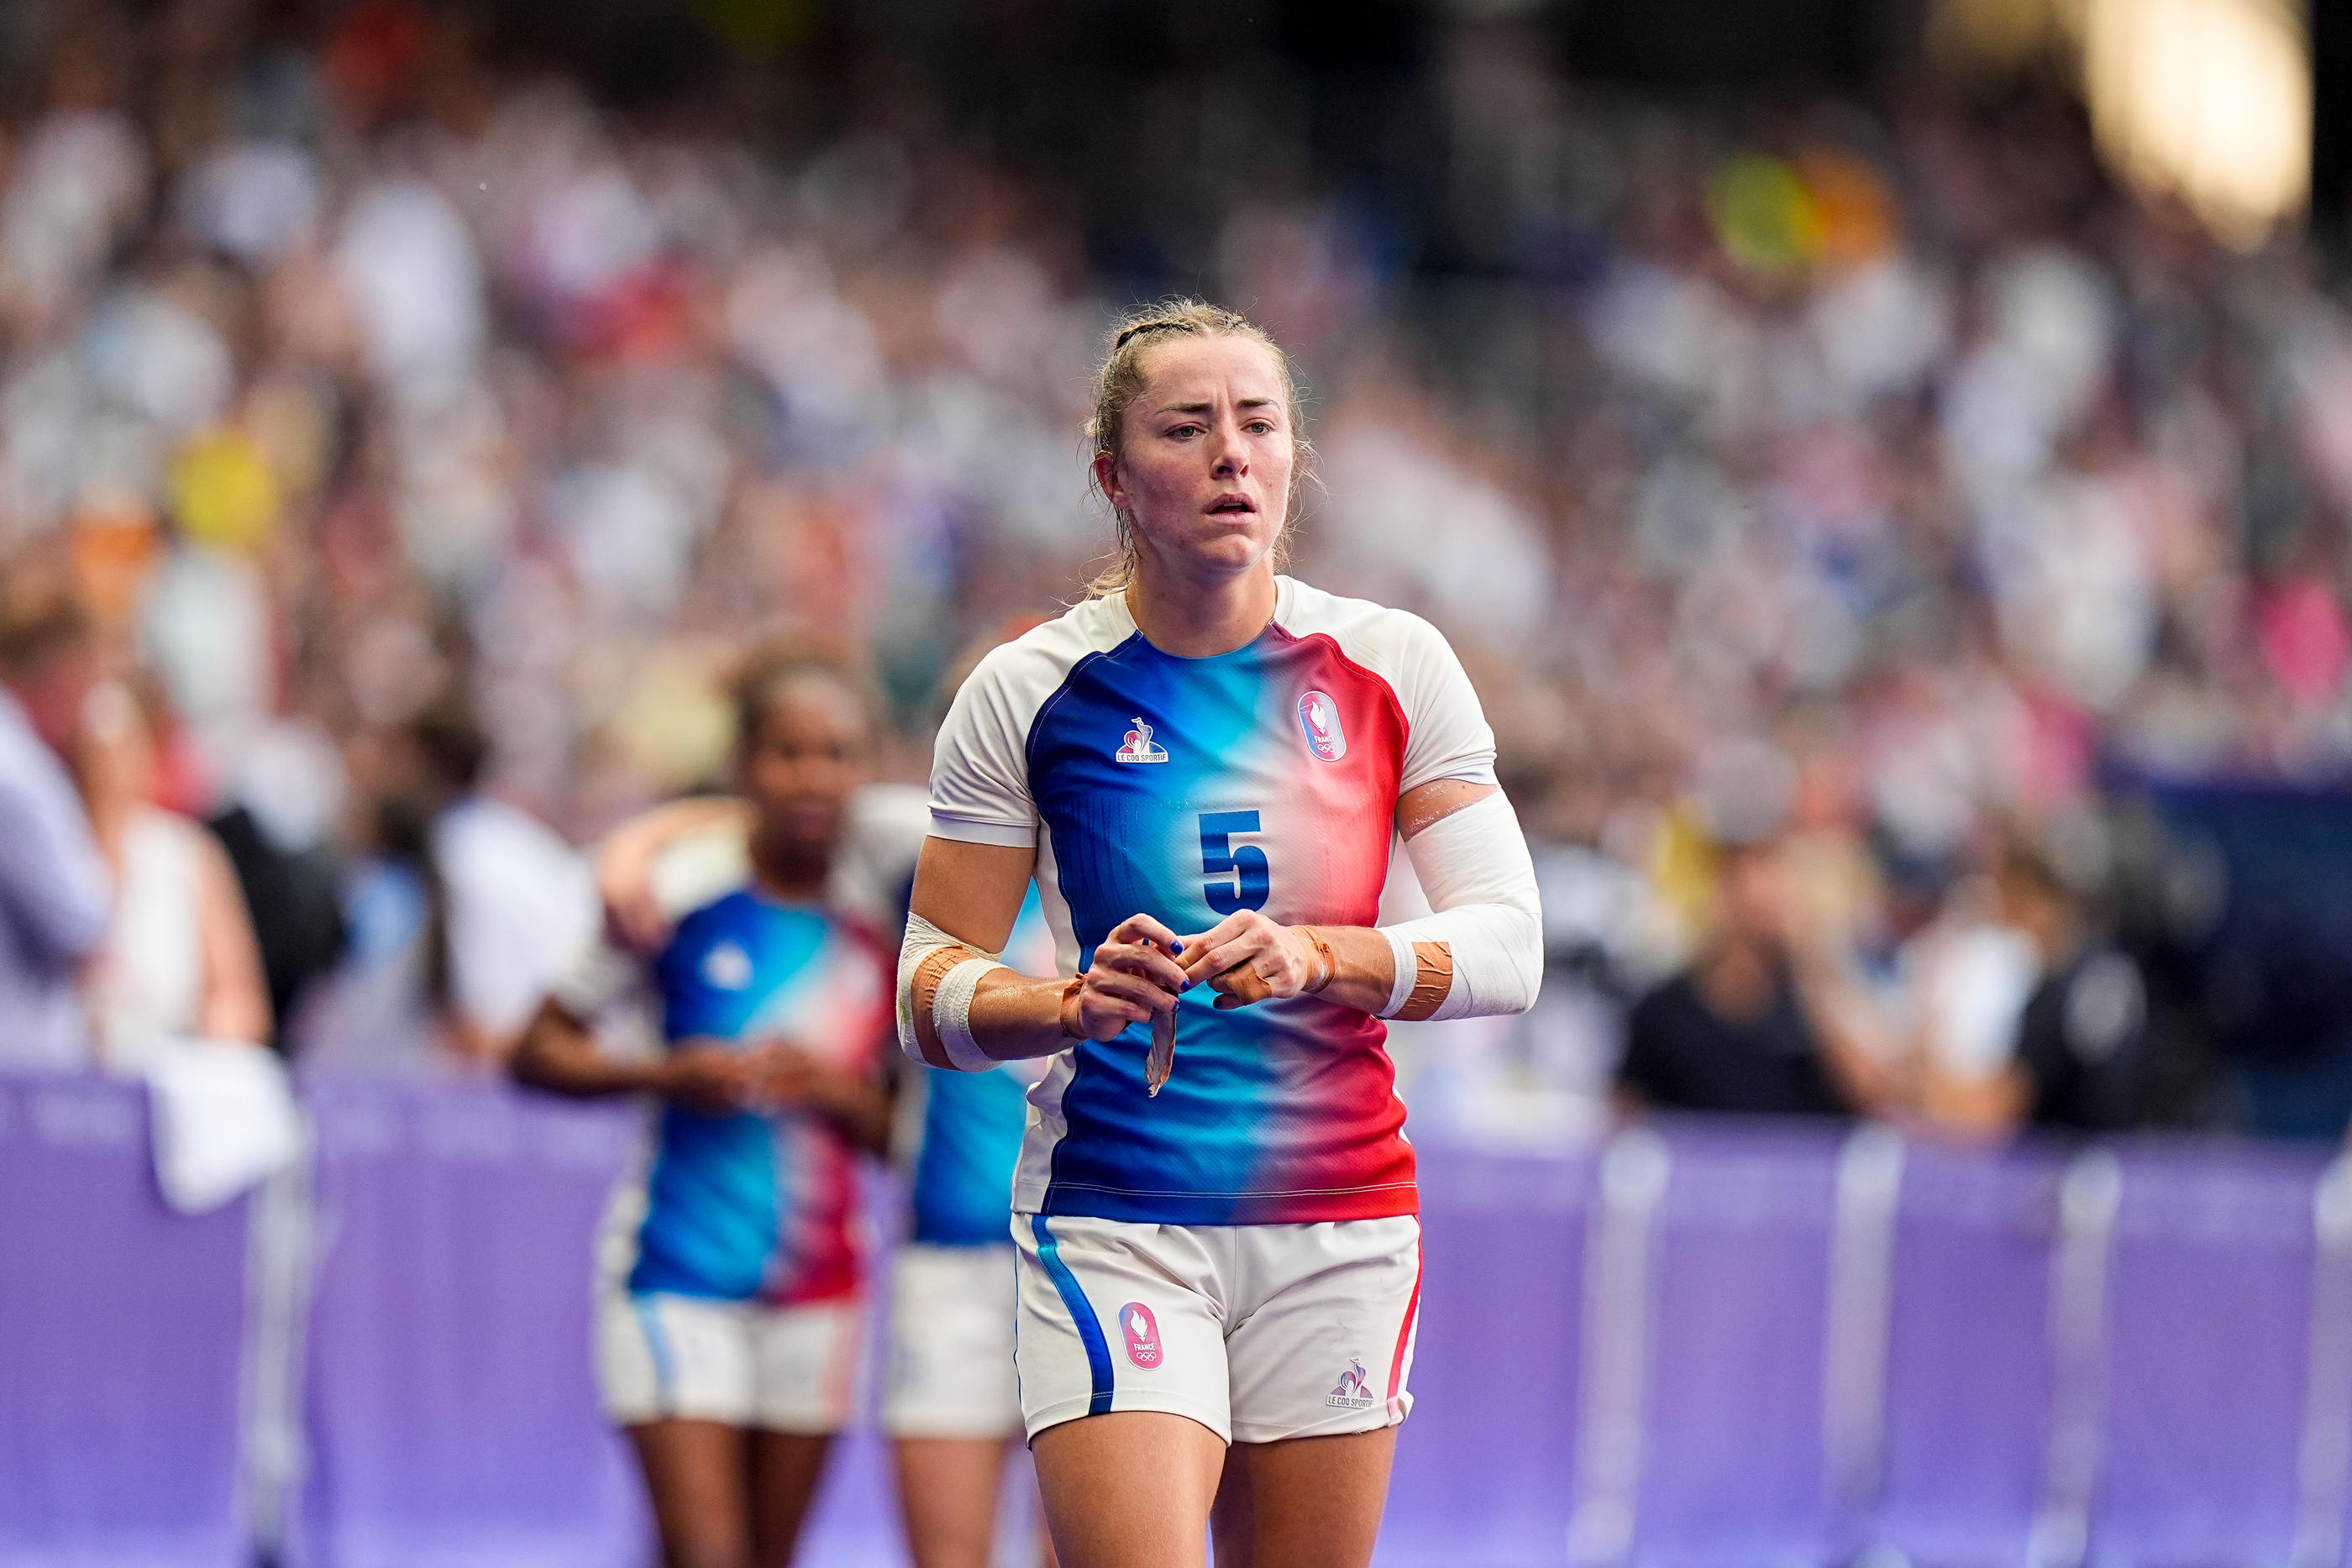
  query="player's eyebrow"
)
[{"x": 1209, "y": 407}]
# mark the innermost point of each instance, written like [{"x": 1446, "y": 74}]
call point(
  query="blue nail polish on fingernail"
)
[{"x": 1176, "y": 946}]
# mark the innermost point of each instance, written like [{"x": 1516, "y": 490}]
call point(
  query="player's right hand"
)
[
  {"x": 711, "y": 1079},
  {"x": 1134, "y": 977}
]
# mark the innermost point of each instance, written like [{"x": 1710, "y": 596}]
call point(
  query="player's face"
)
[
  {"x": 812, "y": 750},
  {"x": 1753, "y": 891},
  {"x": 1204, "y": 471}
]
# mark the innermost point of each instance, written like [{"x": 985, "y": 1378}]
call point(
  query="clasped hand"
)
[
  {"x": 1141, "y": 967},
  {"x": 720, "y": 1080}
]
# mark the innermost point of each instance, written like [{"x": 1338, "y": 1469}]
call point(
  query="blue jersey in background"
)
[
  {"x": 760, "y": 1206},
  {"x": 973, "y": 1123}
]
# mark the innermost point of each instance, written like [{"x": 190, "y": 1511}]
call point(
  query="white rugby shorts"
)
[
  {"x": 746, "y": 1363},
  {"x": 1258, "y": 1332},
  {"x": 948, "y": 1373}
]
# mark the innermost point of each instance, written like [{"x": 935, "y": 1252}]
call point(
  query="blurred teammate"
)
[
  {"x": 1204, "y": 768},
  {"x": 726, "y": 1339},
  {"x": 950, "y": 1401}
]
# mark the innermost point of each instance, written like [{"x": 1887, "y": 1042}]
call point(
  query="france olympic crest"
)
[{"x": 1318, "y": 716}]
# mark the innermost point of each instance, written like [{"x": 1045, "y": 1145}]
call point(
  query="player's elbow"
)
[
  {"x": 912, "y": 1012},
  {"x": 935, "y": 999},
  {"x": 548, "y": 1042},
  {"x": 913, "y": 1045},
  {"x": 1519, "y": 935},
  {"x": 1473, "y": 864},
  {"x": 1509, "y": 970}
]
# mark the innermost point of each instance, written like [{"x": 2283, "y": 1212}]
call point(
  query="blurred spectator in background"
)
[
  {"x": 55, "y": 891},
  {"x": 350, "y": 364},
  {"x": 462, "y": 914},
  {"x": 1756, "y": 1023},
  {"x": 275, "y": 826},
  {"x": 2081, "y": 1055},
  {"x": 179, "y": 960}
]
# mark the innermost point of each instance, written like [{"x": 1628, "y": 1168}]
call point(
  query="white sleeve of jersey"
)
[
  {"x": 1446, "y": 735},
  {"x": 980, "y": 767}
]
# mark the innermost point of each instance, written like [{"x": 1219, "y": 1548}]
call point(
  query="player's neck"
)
[
  {"x": 788, "y": 871},
  {"x": 1201, "y": 620}
]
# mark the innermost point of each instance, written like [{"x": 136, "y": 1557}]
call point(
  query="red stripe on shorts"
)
[{"x": 1404, "y": 1333}]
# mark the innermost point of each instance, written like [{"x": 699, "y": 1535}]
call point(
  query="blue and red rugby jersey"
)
[
  {"x": 1190, "y": 789},
  {"x": 754, "y": 1206}
]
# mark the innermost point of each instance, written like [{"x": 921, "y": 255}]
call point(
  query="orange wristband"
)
[{"x": 1070, "y": 1030}]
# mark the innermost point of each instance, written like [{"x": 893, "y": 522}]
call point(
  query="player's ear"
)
[{"x": 1108, "y": 480}]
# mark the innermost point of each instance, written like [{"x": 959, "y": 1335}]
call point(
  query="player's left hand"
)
[{"x": 1247, "y": 957}]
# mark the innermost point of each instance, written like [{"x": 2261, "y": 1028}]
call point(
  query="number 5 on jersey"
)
[{"x": 1221, "y": 859}]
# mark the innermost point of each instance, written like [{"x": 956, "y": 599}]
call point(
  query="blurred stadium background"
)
[{"x": 1911, "y": 440}]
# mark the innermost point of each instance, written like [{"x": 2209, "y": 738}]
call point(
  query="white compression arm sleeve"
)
[
  {"x": 936, "y": 978},
  {"x": 1482, "y": 952}
]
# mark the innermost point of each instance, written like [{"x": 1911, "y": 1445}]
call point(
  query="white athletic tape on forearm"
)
[
  {"x": 1482, "y": 952},
  {"x": 952, "y": 1012},
  {"x": 1407, "y": 968}
]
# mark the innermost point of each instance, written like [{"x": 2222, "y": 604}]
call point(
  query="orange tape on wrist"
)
[{"x": 1432, "y": 977}]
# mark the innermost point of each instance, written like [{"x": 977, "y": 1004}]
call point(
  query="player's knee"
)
[
  {"x": 704, "y": 1549},
  {"x": 950, "y": 1533},
  {"x": 950, "y": 1547}
]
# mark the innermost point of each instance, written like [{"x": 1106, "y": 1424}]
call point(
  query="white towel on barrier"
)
[{"x": 225, "y": 1119}]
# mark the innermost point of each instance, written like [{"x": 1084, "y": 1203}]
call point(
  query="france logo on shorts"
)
[
  {"x": 1142, "y": 1331},
  {"x": 1318, "y": 716}
]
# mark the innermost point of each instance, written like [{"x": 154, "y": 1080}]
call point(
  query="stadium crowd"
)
[{"x": 1845, "y": 515}]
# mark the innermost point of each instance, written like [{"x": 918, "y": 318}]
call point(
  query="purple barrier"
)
[
  {"x": 452, "y": 1413},
  {"x": 1968, "y": 1370},
  {"x": 120, "y": 1344},
  {"x": 452, "y": 1419},
  {"x": 2209, "y": 1301},
  {"x": 1483, "y": 1463},
  {"x": 1734, "y": 1469},
  {"x": 1720, "y": 1343}
]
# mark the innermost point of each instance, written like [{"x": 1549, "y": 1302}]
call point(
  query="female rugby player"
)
[
  {"x": 949, "y": 1402},
  {"x": 1204, "y": 767},
  {"x": 726, "y": 1337},
  {"x": 950, "y": 1399}
]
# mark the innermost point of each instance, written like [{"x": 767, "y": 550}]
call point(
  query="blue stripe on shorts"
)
[
  {"x": 1082, "y": 1313},
  {"x": 657, "y": 1344}
]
